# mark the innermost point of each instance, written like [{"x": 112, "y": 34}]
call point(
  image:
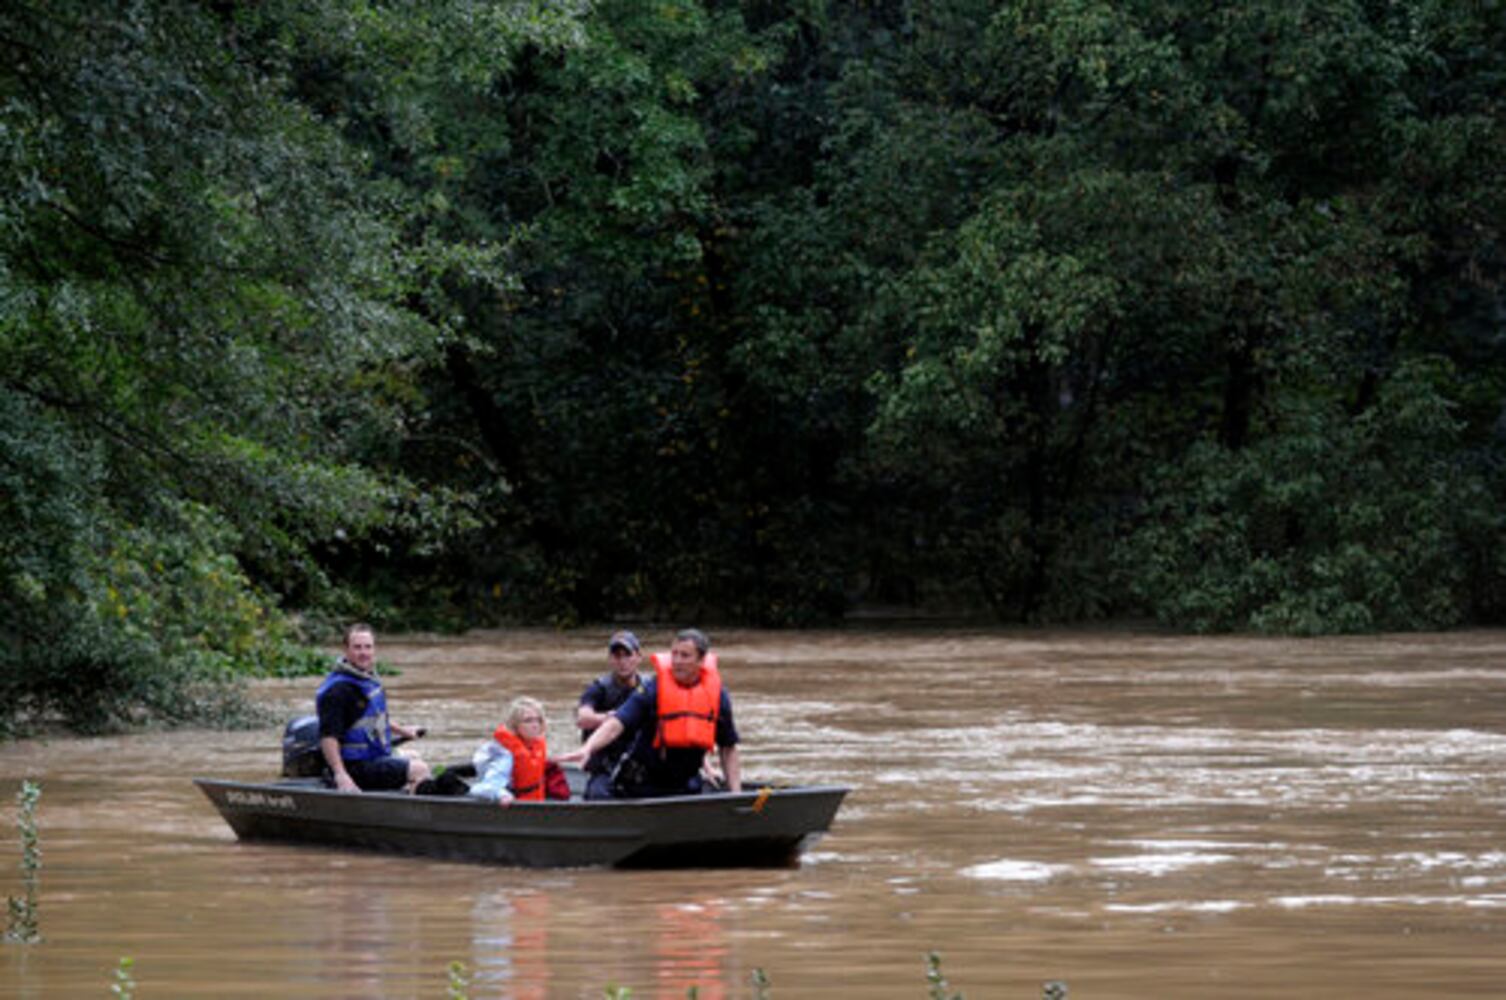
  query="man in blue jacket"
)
[{"x": 355, "y": 735}]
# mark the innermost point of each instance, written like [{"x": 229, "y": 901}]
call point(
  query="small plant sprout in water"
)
[
  {"x": 940, "y": 989},
  {"x": 125, "y": 985},
  {"x": 460, "y": 983},
  {"x": 23, "y": 927}
]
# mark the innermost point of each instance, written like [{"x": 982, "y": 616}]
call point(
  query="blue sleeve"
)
[
  {"x": 640, "y": 709},
  {"x": 592, "y": 695},
  {"x": 726, "y": 729}
]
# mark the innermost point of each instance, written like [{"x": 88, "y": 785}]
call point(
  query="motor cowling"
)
[{"x": 301, "y": 756}]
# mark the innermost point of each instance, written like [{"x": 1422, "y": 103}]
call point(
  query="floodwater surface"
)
[{"x": 1136, "y": 815}]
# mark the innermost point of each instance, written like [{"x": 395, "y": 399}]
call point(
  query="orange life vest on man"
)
[
  {"x": 687, "y": 715},
  {"x": 528, "y": 762}
]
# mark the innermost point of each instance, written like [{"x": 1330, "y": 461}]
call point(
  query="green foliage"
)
[
  {"x": 1194, "y": 214},
  {"x": 452, "y": 312},
  {"x": 154, "y": 626},
  {"x": 460, "y": 983},
  {"x": 1336, "y": 523},
  {"x": 581, "y": 386},
  {"x": 213, "y": 311},
  {"x": 940, "y": 989},
  {"x": 826, "y": 303},
  {"x": 23, "y": 926},
  {"x": 125, "y": 982}
]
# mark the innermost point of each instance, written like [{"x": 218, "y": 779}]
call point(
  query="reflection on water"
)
[
  {"x": 689, "y": 950},
  {"x": 509, "y": 950},
  {"x": 1138, "y": 815}
]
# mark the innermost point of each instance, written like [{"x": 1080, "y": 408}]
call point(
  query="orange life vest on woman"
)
[
  {"x": 528, "y": 762},
  {"x": 687, "y": 715}
]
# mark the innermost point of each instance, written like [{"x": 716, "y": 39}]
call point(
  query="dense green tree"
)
[
  {"x": 590, "y": 387},
  {"x": 931, "y": 300},
  {"x": 1206, "y": 225},
  {"x": 208, "y": 316},
  {"x": 746, "y": 310}
]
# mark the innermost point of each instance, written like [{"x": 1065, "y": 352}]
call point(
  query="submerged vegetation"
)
[
  {"x": 938, "y": 987},
  {"x": 24, "y": 926},
  {"x": 458, "y": 983},
  {"x": 124, "y": 986},
  {"x": 458, "y": 313}
]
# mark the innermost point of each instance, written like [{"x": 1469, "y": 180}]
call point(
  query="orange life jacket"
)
[
  {"x": 528, "y": 761},
  {"x": 687, "y": 715}
]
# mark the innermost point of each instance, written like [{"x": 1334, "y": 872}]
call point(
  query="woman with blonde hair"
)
[{"x": 513, "y": 763}]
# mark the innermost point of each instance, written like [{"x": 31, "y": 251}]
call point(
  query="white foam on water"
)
[
  {"x": 1306, "y": 902},
  {"x": 1159, "y": 864},
  {"x": 1180, "y": 906},
  {"x": 1027, "y": 804},
  {"x": 1452, "y": 859},
  {"x": 1012, "y": 870},
  {"x": 1195, "y": 845}
]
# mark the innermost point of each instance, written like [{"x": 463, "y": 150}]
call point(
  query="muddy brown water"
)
[{"x": 1136, "y": 815}]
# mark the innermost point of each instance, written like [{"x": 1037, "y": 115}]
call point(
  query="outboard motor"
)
[{"x": 301, "y": 757}]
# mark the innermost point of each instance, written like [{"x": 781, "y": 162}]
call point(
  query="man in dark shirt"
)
[
  {"x": 601, "y": 697},
  {"x": 671, "y": 730},
  {"x": 355, "y": 735}
]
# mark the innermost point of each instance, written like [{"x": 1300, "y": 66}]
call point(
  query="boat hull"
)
[{"x": 747, "y": 829}]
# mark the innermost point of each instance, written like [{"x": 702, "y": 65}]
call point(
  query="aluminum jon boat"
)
[{"x": 763, "y": 827}]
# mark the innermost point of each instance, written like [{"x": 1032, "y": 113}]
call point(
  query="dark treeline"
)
[{"x": 556, "y": 310}]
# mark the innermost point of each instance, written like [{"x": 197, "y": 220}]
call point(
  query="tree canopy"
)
[{"x": 560, "y": 310}]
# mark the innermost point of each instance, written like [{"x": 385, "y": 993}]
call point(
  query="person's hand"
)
[
  {"x": 345, "y": 783},
  {"x": 504, "y": 800},
  {"x": 576, "y": 756}
]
